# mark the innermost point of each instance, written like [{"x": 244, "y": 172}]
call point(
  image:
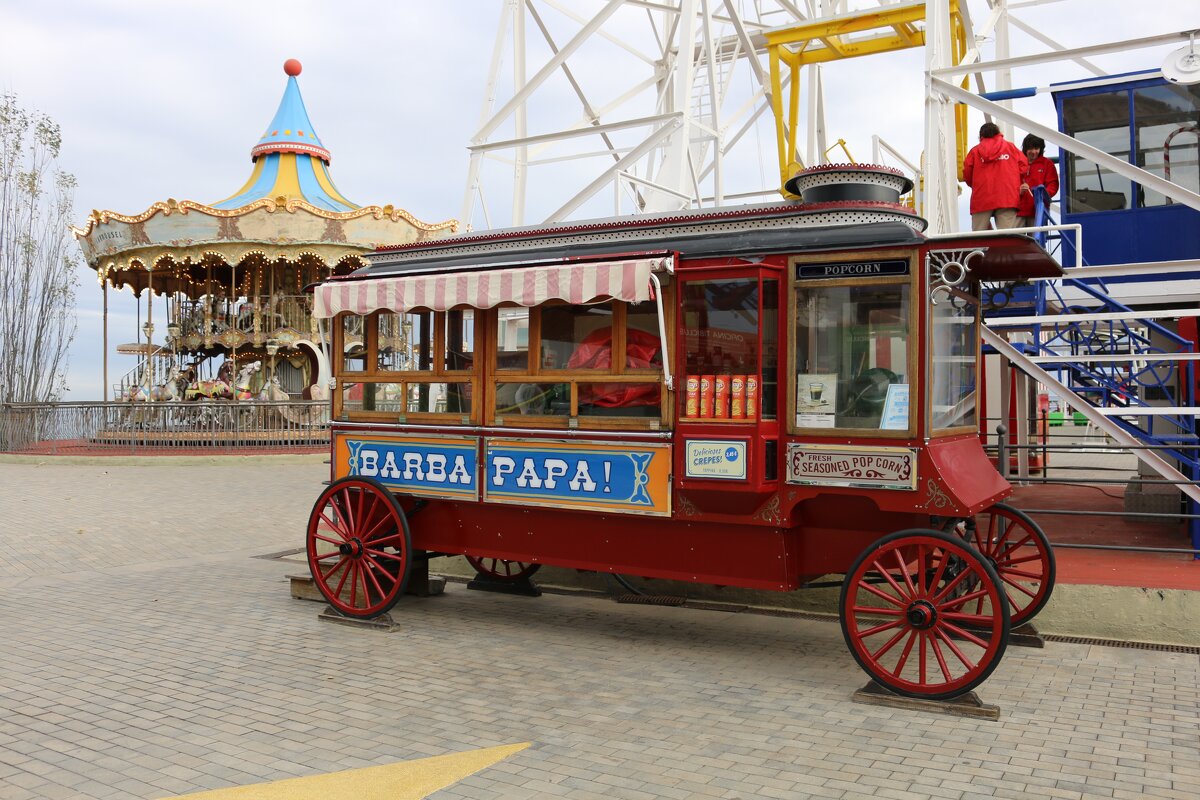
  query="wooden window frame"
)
[
  {"x": 407, "y": 378},
  {"x": 618, "y": 373}
]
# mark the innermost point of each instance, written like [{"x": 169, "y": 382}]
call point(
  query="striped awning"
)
[{"x": 524, "y": 286}]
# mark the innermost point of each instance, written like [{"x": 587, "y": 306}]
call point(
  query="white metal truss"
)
[{"x": 616, "y": 106}]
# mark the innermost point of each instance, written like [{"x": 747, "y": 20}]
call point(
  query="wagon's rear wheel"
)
[
  {"x": 359, "y": 548},
  {"x": 923, "y": 614},
  {"x": 500, "y": 570},
  {"x": 1021, "y": 554}
]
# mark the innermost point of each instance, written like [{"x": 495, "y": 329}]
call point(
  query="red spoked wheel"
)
[
  {"x": 908, "y": 612},
  {"x": 359, "y": 547},
  {"x": 500, "y": 570},
  {"x": 1019, "y": 550}
]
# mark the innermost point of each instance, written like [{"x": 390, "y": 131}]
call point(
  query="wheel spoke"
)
[
  {"x": 912, "y": 590},
  {"x": 959, "y": 601},
  {"x": 1013, "y": 547},
  {"x": 941, "y": 659},
  {"x": 336, "y": 528},
  {"x": 1022, "y": 560},
  {"x": 950, "y": 586},
  {"x": 886, "y": 626},
  {"x": 1017, "y": 586},
  {"x": 879, "y": 568},
  {"x": 1019, "y": 573},
  {"x": 970, "y": 637},
  {"x": 325, "y": 575},
  {"x": 370, "y": 573},
  {"x": 887, "y": 612},
  {"x": 966, "y": 662},
  {"x": 354, "y": 583},
  {"x": 904, "y": 655},
  {"x": 888, "y": 645},
  {"x": 875, "y": 590},
  {"x": 921, "y": 672},
  {"x": 321, "y": 538},
  {"x": 345, "y": 574}
]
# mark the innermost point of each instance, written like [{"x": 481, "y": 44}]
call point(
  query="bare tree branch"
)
[{"x": 37, "y": 257}]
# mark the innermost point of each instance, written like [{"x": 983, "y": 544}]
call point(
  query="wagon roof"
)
[{"x": 746, "y": 230}]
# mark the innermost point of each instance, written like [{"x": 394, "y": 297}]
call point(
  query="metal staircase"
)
[{"x": 1132, "y": 377}]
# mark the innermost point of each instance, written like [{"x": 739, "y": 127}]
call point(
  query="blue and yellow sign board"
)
[
  {"x": 425, "y": 466},
  {"x": 584, "y": 475},
  {"x": 596, "y": 476}
]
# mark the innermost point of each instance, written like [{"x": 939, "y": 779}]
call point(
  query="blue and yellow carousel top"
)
[{"x": 289, "y": 160}]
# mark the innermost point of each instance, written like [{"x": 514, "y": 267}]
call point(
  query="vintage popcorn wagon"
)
[{"x": 753, "y": 397}]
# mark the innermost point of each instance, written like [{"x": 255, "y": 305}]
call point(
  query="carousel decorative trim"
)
[{"x": 291, "y": 205}]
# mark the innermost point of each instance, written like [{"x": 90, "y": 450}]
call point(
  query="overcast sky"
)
[{"x": 162, "y": 100}]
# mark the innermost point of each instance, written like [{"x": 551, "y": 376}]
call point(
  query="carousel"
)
[{"x": 221, "y": 285}]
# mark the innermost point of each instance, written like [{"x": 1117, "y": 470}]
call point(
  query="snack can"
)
[
  {"x": 706, "y": 395},
  {"x": 751, "y": 397},
  {"x": 737, "y": 397},
  {"x": 692, "y": 406},
  {"x": 721, "y": 397}
]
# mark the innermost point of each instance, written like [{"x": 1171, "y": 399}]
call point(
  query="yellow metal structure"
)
[{"x": 860, "y": 33}]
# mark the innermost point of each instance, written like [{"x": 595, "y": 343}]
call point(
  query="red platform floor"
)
[{"x": 1109, "y": 567}]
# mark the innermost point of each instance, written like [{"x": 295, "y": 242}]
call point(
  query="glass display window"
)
[
  {"x": 852, "y": 357},
  {"x": 953, "y": 354}
]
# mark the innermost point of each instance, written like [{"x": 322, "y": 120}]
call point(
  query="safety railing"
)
[{"x": 164, "y": 427}]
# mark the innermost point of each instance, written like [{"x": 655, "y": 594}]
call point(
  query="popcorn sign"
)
[{"x": 867, "y": 467}]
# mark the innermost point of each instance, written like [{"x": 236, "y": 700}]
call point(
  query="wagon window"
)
[
  {"x": 721, "y": 335},
  {"x": 459, "y": 338},
  {"x": 405, "y": 341},
  {"x": 400, "y": 365},
  {"x": 512, "y": 338},
  {"x": 576, "y": 337},
  {"x": 594, "y": 360},
  {"x": 354, "y": 345},
  {"x": 955, "y": 337},
  {"x": 852, "y": 357}
]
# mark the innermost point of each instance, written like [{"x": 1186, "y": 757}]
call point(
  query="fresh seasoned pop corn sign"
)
[{"x": 866, "y": 467}]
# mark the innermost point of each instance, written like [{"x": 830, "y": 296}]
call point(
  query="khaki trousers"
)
[{"x": 1005, "y": 218}]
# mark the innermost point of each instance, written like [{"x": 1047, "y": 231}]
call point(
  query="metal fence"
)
[{"x": 149, "y": 427}]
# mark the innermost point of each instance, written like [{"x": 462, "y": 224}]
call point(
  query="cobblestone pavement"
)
[{"x": 145, "y": 653}]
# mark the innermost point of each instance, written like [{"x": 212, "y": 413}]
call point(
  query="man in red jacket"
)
[
  {"x": 995, "y": 170},
  {"x": 1041, "y": 173}
]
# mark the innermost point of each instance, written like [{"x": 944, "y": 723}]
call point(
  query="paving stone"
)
[{"x": 184, "y": 664}]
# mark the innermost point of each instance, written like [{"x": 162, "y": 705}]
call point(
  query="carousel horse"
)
[
  {"x": 171, "y": 389},
  {"x": 221, "y": 388},
  {"x": 273, "y": 391}
]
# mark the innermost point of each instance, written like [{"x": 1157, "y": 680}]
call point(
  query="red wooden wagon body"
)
[{"x": 752, "y": 397}]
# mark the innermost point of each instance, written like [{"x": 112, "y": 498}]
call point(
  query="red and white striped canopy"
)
[{"x": 525, "y": 286}]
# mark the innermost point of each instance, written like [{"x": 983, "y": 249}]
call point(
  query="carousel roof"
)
[
  {"x": 288, "y": 211},
  {"x": 289, "y": 159}
]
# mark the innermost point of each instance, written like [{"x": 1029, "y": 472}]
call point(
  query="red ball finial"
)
[{"x": 292, "y": 67}]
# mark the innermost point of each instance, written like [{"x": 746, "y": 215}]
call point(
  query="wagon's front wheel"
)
[
  {"x": 1015, "y": 545},
  {"x": 500, "y": 570},
  {"x": 924, "y": 615},
  {"x": 359, "y": 547}
]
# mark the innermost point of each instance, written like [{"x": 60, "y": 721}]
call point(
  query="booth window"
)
[
  {"x": 1101, "y": 120},
  {"x": 417, "y": 363},
  {"x": 1167, "y": 137},
  {"x": 558, "y": 361},
  {"x": 954, "y": 339},
  {"x": 851, "y": 357}
]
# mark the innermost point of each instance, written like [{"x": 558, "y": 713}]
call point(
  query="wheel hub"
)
[
  {"x": 921, "y": 614},
  {"x": 352, "y": 547}
]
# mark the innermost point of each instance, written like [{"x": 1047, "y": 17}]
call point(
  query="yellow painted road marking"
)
[{"x": 407, "y": 780}]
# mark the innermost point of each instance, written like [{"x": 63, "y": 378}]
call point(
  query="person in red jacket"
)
[
  {"x": 995, "y": 170},
  {"x": 1041, "y": 173}
]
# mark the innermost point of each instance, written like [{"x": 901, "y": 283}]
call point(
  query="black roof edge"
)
[{"x": 741, "y": 243}]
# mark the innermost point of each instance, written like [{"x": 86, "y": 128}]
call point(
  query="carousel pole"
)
[
  {"x": 232, "y": 310},
  {"x": 104, "y": 373}
]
